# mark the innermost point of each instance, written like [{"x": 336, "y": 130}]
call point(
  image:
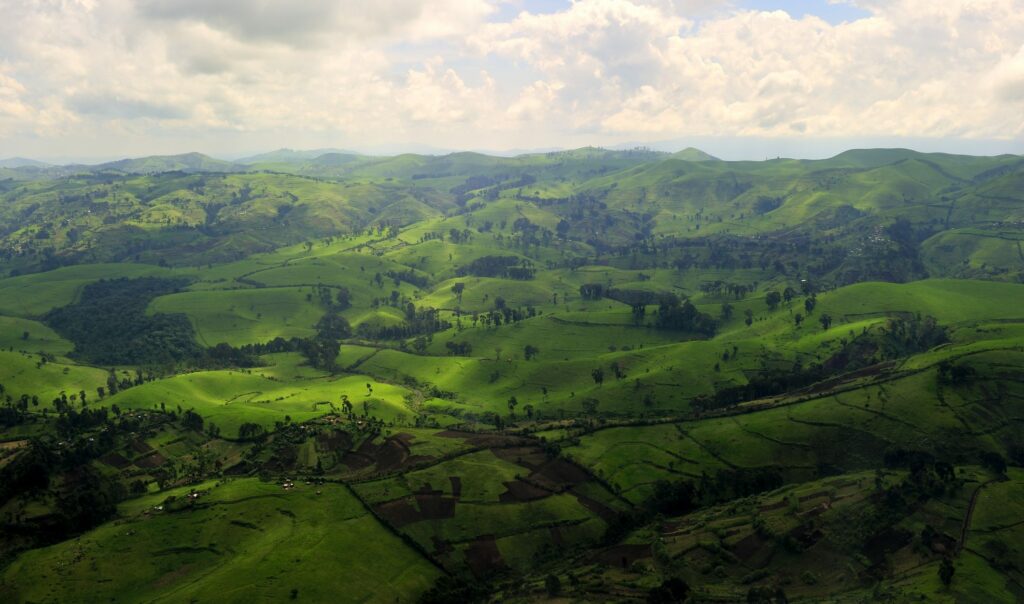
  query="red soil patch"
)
[
  {"x": 116, "y": 460},
  {"x": 357, "y": 461},
  {"x": 415, "y": 459},
  {"x": 392, "y": 454},
  {"x": 520, "y": 490},
  {"x": 484, "y": 557},
  {"x": 871, "y": 371},
  {"x": 398, "y": 513},
  {"x": 335, "y": 440},
  {"x": 434, "y": 505},
  {"x": 153, "y": 460},
  {"x": 140, "y": 446},
  {"x": 623, "y": 555},
  {"x": 560, "y": 472},
  {"x": 239, "y": 469},
  {"x": 456, "y": 486},
  {"x": 748, "y": 547},
  {"x": 528, "y": 457},
  {"x": 480, "y": 440},
  {"x": 601, "y": 510}
]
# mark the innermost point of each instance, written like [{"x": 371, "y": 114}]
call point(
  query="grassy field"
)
[
  {"x": 229, "y": 398},
  {"x": 245, "y": 316},
  {"x": 31, "y": 336},
  {"x": 34, "y": 295},
  {"x": 241, "y": 541}
]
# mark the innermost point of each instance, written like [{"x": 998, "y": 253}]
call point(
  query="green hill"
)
[{"x": 593, "y": 375}]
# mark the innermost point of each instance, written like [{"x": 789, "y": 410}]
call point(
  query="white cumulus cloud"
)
[{"x": 109, "y": 74}]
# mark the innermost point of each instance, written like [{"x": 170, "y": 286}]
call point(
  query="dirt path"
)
[{"x": 970, "y": 512}]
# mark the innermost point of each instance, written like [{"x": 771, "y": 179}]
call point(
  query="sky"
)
[{"x": 742, "y": 79}]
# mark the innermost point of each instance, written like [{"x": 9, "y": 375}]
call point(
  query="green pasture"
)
[
  {"x": 242, "y": 541},
  {"x": 229, "y": 398},
  {"x": 34, "y": 295},
  {"x": 245, "y": 316},
  {"x": 32, "y": 336}
]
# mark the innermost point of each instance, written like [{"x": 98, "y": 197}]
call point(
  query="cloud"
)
[
  {"x": 127, "y": 108},
  {"x": 451, "y": 73},
  {"x": 1008, "y": 78},
  {"x": 320, "y": 22}
]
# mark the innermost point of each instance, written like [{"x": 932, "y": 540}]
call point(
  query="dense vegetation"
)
[{"x": 593, "y": 375}]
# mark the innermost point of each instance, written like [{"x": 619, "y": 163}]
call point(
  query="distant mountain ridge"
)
[
  {"x": 22, "y": 162},
  {"x": 186, "y": 162},
  {"x": 285, "y": 155},
  {"x": 694, "y": 154}
]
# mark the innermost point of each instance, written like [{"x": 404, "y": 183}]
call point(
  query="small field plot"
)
[{"x": 469, "y": 510}]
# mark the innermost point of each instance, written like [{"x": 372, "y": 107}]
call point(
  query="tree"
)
[
  {"x": 512, "y": 402},
  {"x": 530, "y": 351},
  {"x": 809, "y": 303},
  {"x": 726, "y": 311},
  {"x": 946, "y": 571},
  {"x": 192, "y": 421},
  {"x": 457, "y": 289},
  {"x": 344, "y": 298},
  {"x": 798, "y": 319},
  {"x": 826, "y": 321},
  {"x": 251, "y": 431},
  {"x": 748, "y": 317},
  {"x": 772, "y": 299},
  {"x": 788, "y": 294},
  {"x": 598, "y": 375},
  {"x": 563, "y": 228},
  {"x": 24, "y": 335}
]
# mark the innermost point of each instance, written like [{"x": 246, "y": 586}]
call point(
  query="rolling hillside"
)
[{"x": 586, "y": 375}]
